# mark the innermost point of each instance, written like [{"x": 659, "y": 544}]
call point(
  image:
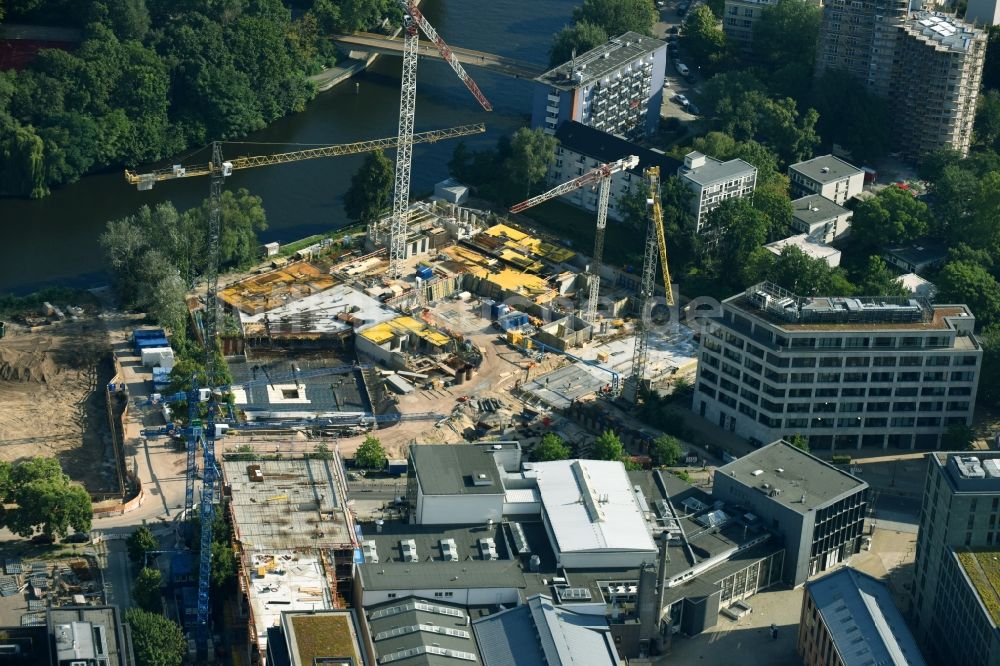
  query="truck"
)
[{"x": 396, "y": 467}]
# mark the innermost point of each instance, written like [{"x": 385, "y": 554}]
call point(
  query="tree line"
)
[{"x": 152, "y": 78}]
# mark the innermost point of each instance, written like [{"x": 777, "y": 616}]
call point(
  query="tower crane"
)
[
  {"x": 217, "y": 170},
  {"x": 656, "y": 249},
  {"x": 413, "y": 23},
  {"x": 602, "y": 176}
]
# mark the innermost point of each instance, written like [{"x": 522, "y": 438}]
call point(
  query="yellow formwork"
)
[{"x": 382, "y": 333}]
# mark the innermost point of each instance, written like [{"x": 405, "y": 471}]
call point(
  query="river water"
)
[{"x": 54, "y": 240}]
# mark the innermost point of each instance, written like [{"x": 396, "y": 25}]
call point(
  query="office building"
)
[
  {"x": 820, "y": 218},
  {"x": 313, "y": 638},
  {"x": 843, "y": 372},
  {"x": 828, "y": 176},
  {"x": 616, "y": 87},
  {"x": 860, "y": 38},
  {"x": 818, "y": 509},
  {"x": 738, "y": 19},
  {"x": 939, "y": 67},
  {"x": 713, "y": 181},
  {"x": 983, "y": 12},
  {"x": 848, "y": 617},
  {"x": 582, "y": 148},
  {"x": 954, "y": 605}
]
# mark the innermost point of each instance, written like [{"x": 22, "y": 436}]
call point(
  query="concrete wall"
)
[{"x": 458, "y": 509}]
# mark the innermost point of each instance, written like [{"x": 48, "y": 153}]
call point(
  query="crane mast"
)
[
  {"x": 602, "y": 176},
  {"x": 413, "y": 22}
]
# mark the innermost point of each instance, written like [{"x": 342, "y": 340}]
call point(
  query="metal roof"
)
[
  {"x": 591, "y": 506},
  {"x": 863, "y": 621},
  {"x": 805, "y": 482},
  {"x": 540, "y": 633},
  {"x": 456, "y": 469},
  {"x": 411, "y": 631},
  {"x": 835, "y": 169},
  {"x": 466, "y": 574},
  {"x": 600, "y": 61}
]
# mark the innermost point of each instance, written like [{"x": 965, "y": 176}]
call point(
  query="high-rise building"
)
[
  {"x": 954, "y": 605},
  {"x": 738, "y": 19},
  {"x": 616, "y": 87},
  {"x": 843, "y": 372},
  {"x": 939, "y": 66},
  {"x": 714, "y": 181},
  {"x": 858, "y": 36}
]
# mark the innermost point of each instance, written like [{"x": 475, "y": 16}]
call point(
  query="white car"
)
[
  {"x": 682, "y": 69},
  {"x": 681, "y": 99}
]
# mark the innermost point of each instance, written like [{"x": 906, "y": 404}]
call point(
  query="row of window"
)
[{"x": 743, "y": 323}]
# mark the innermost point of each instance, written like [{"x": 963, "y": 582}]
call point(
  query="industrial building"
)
[
  {"x": 958, "y": 548},
  {"x": 830, "y": 177},
  {"x": 939, "y": 70},
  {"x": 860, "y": 39},
  {"x": 820, "y": 218},
  {"x": 616, "y": 88},
  {"x": 714, "y": 181},
  {"x": 738, "y": 19},
  {"x": 849, "y": 617},
  {"x": 67, "y": 636},
  {"x": 843, "y": 372},
  {"x": 582, "y": 148},
  {"x": 818, "y": 509}
]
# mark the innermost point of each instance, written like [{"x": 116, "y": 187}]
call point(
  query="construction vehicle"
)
[
  {"x": 217, "y": 170},
  {"x": 655, "y": 250},
  {"x": 602, "y": 176},
  {"x": 413, "y": 23}
]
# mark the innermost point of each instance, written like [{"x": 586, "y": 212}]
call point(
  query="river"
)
[{"x": 53, "y": 241}]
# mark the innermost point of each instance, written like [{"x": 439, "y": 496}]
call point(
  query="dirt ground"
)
[{"x": 52, "y": 397}]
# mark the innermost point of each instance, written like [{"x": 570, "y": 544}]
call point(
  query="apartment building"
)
[
  {"x": 738, "y": 20},
  {"x": 616, "y": 87},
  {"x": 820, "y": 218},
  {"x": 859, "y": 37},
  {"x": 939, "y": 68},
  {"x": 828, "y": 176},
  {"x": 583, "y": 148},
  {"x": 714, "y": 181},
  {"x": 843, "y": 372},
  {"x": 953, "y": 605}
]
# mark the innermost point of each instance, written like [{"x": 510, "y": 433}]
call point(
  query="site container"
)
[
  {"x": 425, "y": 272},
  {"x": 498, "y": 310},
  {"x": 142, "y": 333}
]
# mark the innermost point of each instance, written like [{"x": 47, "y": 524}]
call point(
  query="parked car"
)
[
  {"x": 692, "y": 109},
  {"x": 682, "y": 69},
  {"x": 681, "y": 99},
  {"x": 77, "y": 537},
  {"x": 42, "y": 539}
]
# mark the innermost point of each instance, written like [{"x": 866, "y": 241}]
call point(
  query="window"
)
[
  {"x": 830, "y": 362},
  {"x": 877, "y": 407},
  {"x": 884, "y": 361},
  {"x": 856, "y": 342},
  {"x": 829, "y": 343},
  {"x": 907, "y": 392},
  {"x": 804, "y": 362},
  {"x": 881, "y": 377},
  {"x": 908, "y": 377},
  {"x": 904, "y": 407},
  {"x": 803, "y": 377},
  {"x": 879, "y": 392},
  {"x": 934, "y": 376},
  {"x": 391, "y": 595},
  {"x": 853, "y": 392},
  {"x": 826, "y": 393},
  {"x": 857, "y": 362},
  {"x": 800, "y": 393},
  {"x": 828, "y": 377}
]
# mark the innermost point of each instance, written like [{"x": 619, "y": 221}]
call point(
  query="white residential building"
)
[
  {"x": 738, "y": 19},
  {"x": 809, "y": 246},
  {"x": 828, "y": 176},
  {"x": 844, "y": 372},
  {"x": 820, "y": 218},
  {"x": 713, "y": 181}
]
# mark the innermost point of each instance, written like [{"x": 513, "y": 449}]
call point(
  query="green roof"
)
[
  {"x": 983, "y": 569},
  {"x": 323, "y": 635}
]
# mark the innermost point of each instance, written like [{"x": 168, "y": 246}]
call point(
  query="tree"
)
[
  {"x": 146, "y": 590},
  {"x": 805, "y": 276},
  {"x": 800, "y": 442},
  {"x": 242, "y": 216},
  {"x": 370, "y": 454},
  {"x": 156, "y": 640},
  {"x": 46, "y": 499},
  {"x": 958, "y": 437},
  {"x": 892, "y": 216},
  {"x": 140, "y": 542},
  {"x": 370, "y": 193},
  {"x": 955, "y": 189},
  {"x": 618, "y": 16},
  {"x": 784, "y": 41},
  {"x": 879, "y": 280},
  {"x": 989, "y": 377},
  {"x": 580, "y": 37},
  {"x": 986, "y": 131},
  {"x": 223, "y": 566},
  {"x": 666, "y": 450},
  {"x": 552, "y": 447},
  {"x": 704, "y": 39},
  {"x": 322, "y": 452},
  {"x": 532, "y": 153},
  {"x": 963, "y": 282},
  {"x": 607, "y": 446}
]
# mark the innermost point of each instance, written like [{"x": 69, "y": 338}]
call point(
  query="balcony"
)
[{"x": 553, "y": 99}]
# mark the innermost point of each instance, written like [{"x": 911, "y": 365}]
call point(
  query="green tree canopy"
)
[
  {"x": 370, "y": 195},
  {"x": 703, "y": 38},
  {"x": 552, "y": 447},
  {"x": 370, "y": 454},
  {"x": 45, "y": 498},
  {"x": 580, "y": 37},
  {"x": 532, "y": 153},
  {"x": 156, "y": 640},
  {"x": 964, "y": 282},
  {"x": 666, "y": 450},
  {"x": 786, "y": 32},
  {"x": 616, "y": 17},
  {"x": 892, "y": 216},
  {"x": 880, "y": 280},
  {"x": 146, "y": 590},
  {"x": 607, "y": 446},
  {"x": 800, "y": 442},
  {"x": 958, "y": 437},
  {"x": 989, "y": 378},
  {"x": 141, "y": 541},
  {"x": 986, "y": 131},
  {"x": 851, "y": 116}
]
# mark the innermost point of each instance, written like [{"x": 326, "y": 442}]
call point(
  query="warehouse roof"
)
[
  {"x": 605, "y": 148},
  {"x": 826, "y": 169},
  {"x": 591, "y": 506},
  {"x": 414, "y": 631},
  {"x": 456, "y": 469},
  {"x": 803, "y": 481}
]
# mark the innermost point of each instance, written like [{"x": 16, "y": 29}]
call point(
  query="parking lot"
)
[{"x": 668, "y": 28}]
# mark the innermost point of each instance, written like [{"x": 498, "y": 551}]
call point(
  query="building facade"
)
[
  {"x": 714, "y": 181},
  {"x": 582, "y": 148},
  {"x": 820, "y": 218},
  {"x": 843, "y": 372},
  {"x": 828, "y": 176},
  {"x": 939, "y": 69},
  {"x": 616, "y": 87},
  {"x": 818, "y": 509},
  {"x": 738, "y": 20},
  {"x": 860, "y": 38},
  {"x": 983, "y": 12},
  {"x": 958, "y": 544}
]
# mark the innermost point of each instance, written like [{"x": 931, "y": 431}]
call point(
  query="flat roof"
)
[
  {"x": 600, "y": 61},
  {"x": 919, "y": 251},
  {"x": 339, "y": 309},
  {"x": 417, "y": 631},
  {"x": 714, "y": 171},
  {"x": 591, "y": 506},
  {"x": 72, "y": 628},
  {"x": 306, "y": 392},
  {"x": 604, "y": 148},
  {"x": 809, "y": 246},
  {"x": 825, "y": 169},
  {"x": 311, "y": 636},
  {"x": 299, "y": 504},
  {"x": 815, "y": 208},
  {"x": 970, "y": 471},
  {"x": 806, "y": 482},
  {"x": 456, "y": 469},
  {"x": 462, "y": 540},
  {"x": 982, "y": 566},
  {"x": 442, "y": 575},
  {"x": 283, "y": 581},
  {"x": 863, "y": 621},
  {"x": 944, "y": 30}
]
